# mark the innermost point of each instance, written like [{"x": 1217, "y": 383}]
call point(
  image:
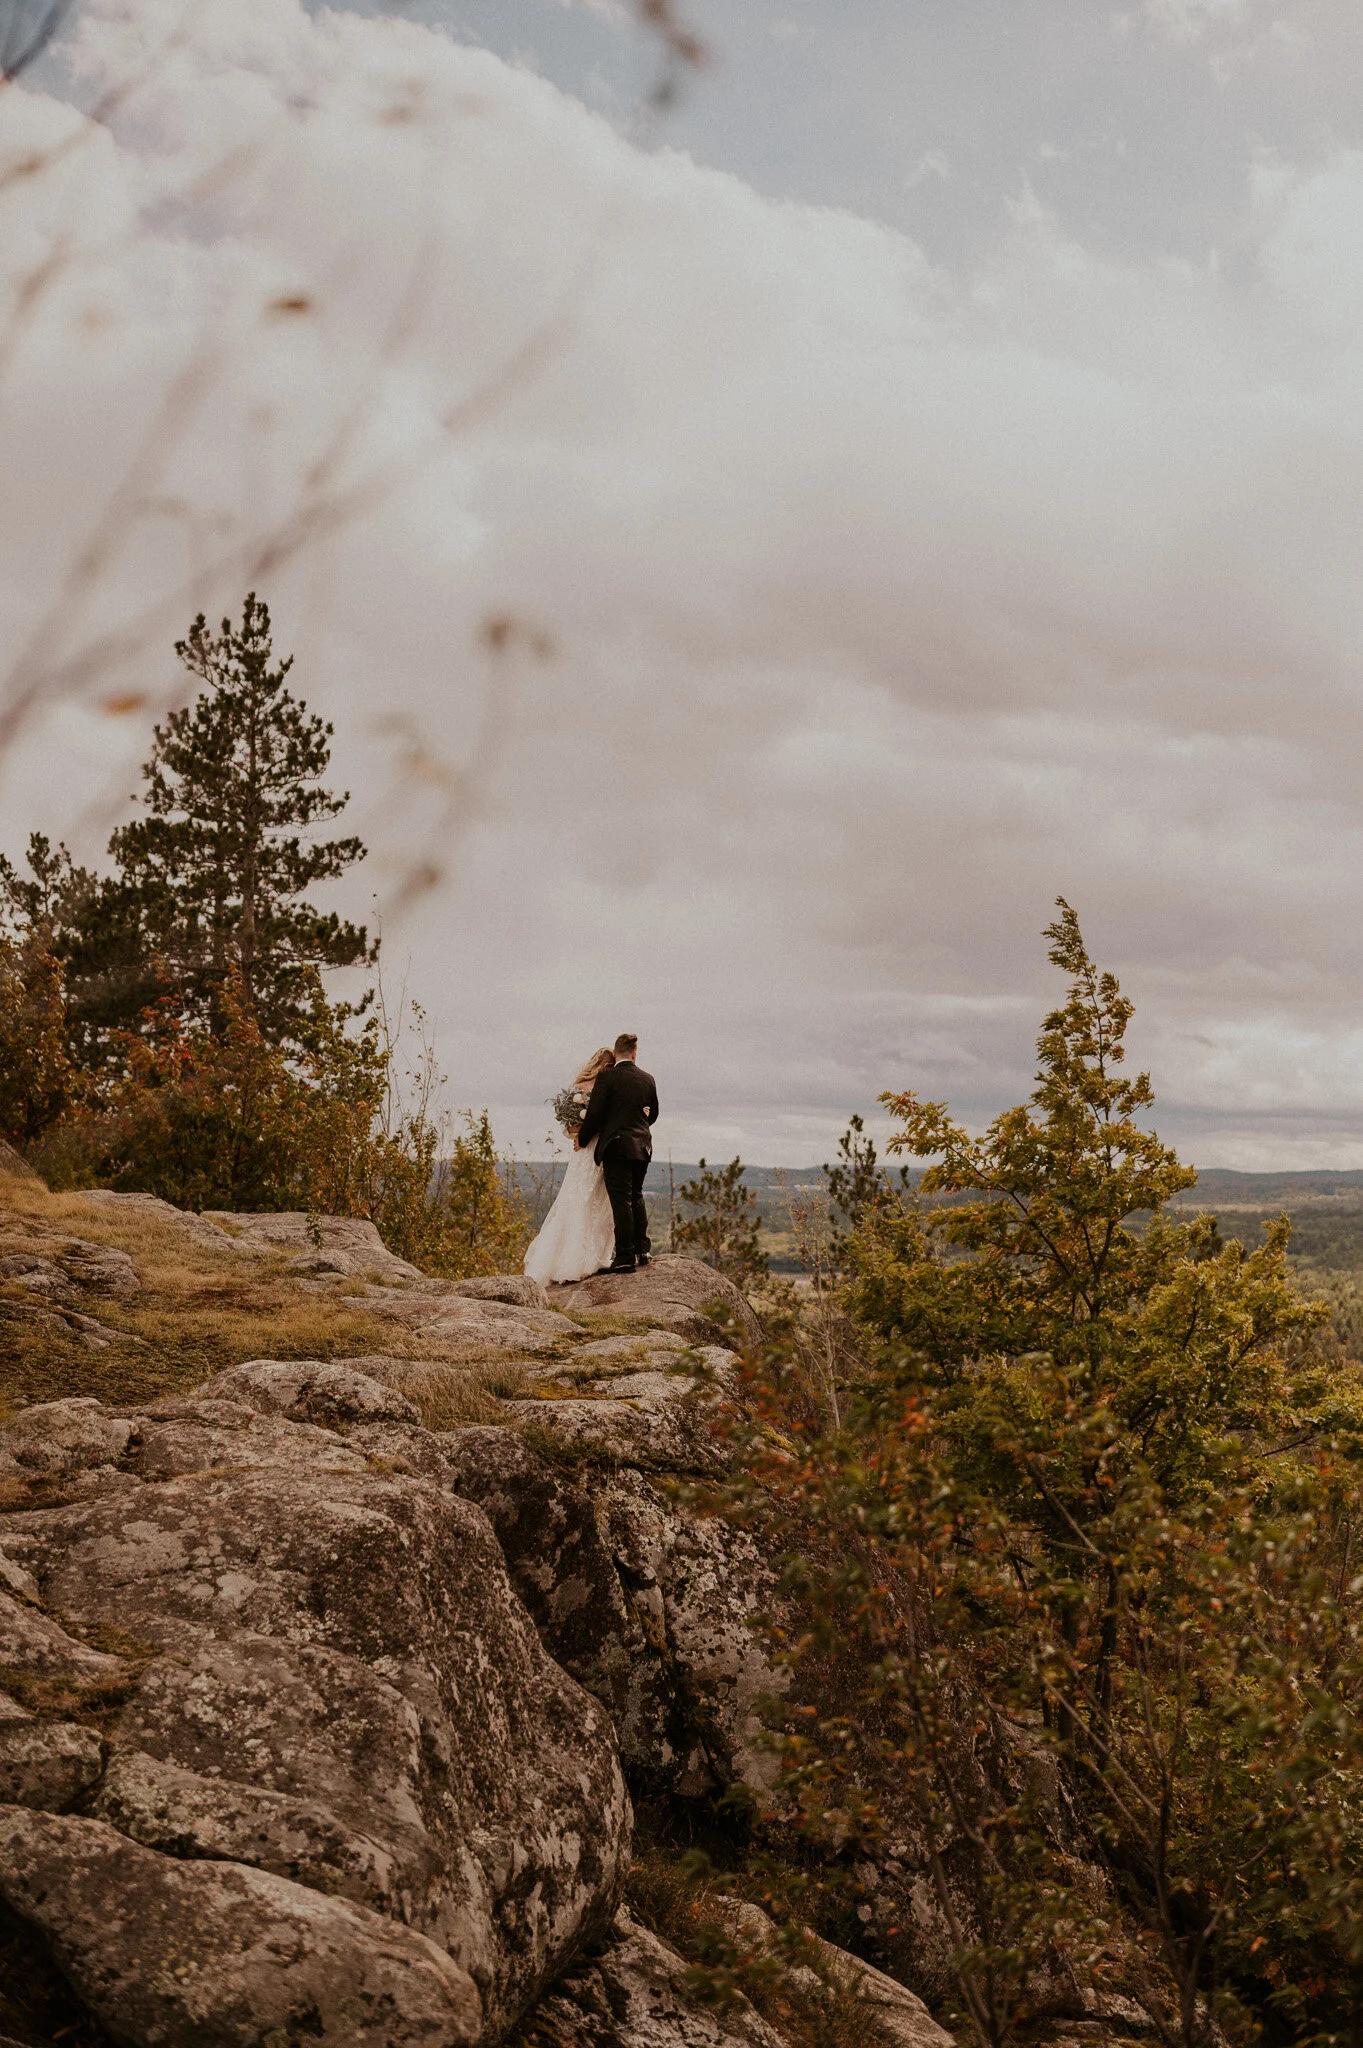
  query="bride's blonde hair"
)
[{"x": 602, "y": 1058}]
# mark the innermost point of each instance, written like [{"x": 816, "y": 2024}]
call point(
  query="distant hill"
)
[
  {"x": 1324, "y": 1207},
  {"x": 1287, "y": 1190}
]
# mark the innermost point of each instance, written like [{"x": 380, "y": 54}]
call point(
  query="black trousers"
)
[{"x": 625, "y": 1186}]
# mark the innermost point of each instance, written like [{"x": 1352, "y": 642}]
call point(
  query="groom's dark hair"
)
[{"x": 626, "y": 1045}]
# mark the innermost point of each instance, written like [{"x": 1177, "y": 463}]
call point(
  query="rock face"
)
[
  {"x": 314, "y": 1722},
  {"x": 208, "y": 1952},
  {"x": 671, "y": 1291},
  {"x": 348, "y": 1794},
  {"x": 633, "y": 1994}
]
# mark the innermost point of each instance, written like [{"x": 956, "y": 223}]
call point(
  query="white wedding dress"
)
[{"x": 578, "y": 1234}]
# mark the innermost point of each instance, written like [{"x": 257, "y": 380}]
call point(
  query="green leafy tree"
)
[
  {"x": 483, "y": 1225},
  {"x": 213, "y": 879},
  {"x": 723, "y": 1227},
  {"x": 222, "y": 1119},
  {"x": 1068, "y": 1292}
]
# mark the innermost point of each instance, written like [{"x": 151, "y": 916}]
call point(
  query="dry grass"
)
[
  {"x": 198, "y": 1311},
  {"x": 606, "y": 1322},
  {"x": 201, "y": 1309},
  {"x": 454, "y": 1394}
]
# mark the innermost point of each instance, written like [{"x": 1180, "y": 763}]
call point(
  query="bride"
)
[{"x": 577, "y": 1237}]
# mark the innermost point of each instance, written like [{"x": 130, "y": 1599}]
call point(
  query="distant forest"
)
[{"x": 1325, "y": 1207}]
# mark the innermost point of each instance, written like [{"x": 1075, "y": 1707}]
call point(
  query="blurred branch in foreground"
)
[
  {"x": 160, "y": 528},
  {"x": 683, "y": 49}
]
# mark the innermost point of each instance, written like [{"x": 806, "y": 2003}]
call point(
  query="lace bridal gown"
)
[{"x": 578, "y": 1234}]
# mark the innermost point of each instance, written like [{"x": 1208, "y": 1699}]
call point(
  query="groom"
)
[{"x": 620, "y": 1116}]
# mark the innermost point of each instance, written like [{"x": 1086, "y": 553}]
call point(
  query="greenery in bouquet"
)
[{"x": 570, "y": 1106}]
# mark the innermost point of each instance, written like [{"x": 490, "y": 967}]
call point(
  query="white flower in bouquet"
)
[{"x": 570, "y": 1106}]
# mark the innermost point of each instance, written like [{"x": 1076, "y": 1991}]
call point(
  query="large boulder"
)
[
  {"x": 218, "y": 1955},
  {"x": 335, "y": 1720},
  {"x": 557, "y": 1540},
  {"x": 697, "y": 1585},
  {"x": 309, "y": 1390},
  {"x": 517, "y": 1290},
  {"x": 649, "y": 1605},
  {"x": 557, "y": 1549},
  {"x": 675, "y": 1292},
  {"x": 183, "y": 1434},
  {"x": 62, "y": 1437}
]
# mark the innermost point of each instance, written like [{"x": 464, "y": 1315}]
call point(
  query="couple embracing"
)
[{"x": 598, "y": 1223}]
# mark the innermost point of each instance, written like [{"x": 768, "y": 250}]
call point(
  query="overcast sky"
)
[{"x": 918, "y": 475}]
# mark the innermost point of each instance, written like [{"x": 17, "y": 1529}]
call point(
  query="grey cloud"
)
[{"x": 888, "y": 599}]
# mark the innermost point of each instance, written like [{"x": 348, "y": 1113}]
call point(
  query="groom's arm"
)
[
  {"x": 597, "y": 1106},
  {"x": 651, "y": 1106}
]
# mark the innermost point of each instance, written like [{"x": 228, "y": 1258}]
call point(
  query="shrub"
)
[{"x": 1093, "y": 1475}]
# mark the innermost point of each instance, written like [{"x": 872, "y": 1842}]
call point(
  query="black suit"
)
[{"x": 620, "y": 1116}]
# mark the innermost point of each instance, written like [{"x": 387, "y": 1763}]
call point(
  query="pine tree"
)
[
  {"x": 724, "y": 1226},
  {"x": 857, "y": 1186},
  {"x": 214, "y": 877}
]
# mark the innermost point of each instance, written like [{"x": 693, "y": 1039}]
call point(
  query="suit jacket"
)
[{"x": 624, "y": 1103}]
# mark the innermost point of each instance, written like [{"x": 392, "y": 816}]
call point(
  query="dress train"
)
[{"x": 577, "y": 1237}]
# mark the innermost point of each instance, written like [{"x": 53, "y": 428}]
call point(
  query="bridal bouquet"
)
[{"x": 570, "y": 1106}]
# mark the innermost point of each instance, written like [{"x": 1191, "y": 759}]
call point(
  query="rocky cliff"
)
[{"x": 318, "y": 1723}]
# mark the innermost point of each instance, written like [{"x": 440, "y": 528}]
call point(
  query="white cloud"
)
[{"x": 885, "y": 605}]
